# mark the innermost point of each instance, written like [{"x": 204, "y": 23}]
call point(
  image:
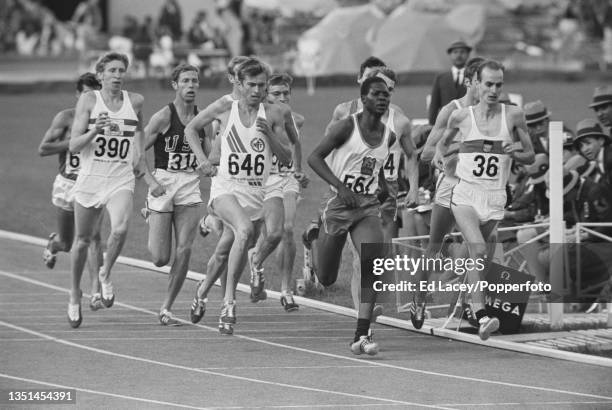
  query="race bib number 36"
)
[{"x": 486, "y": 166}]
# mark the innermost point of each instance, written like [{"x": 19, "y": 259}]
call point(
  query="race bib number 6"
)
[{"x": 73, "y": 163}]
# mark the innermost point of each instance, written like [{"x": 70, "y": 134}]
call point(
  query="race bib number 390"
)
[{"x": 113, "y": 148}]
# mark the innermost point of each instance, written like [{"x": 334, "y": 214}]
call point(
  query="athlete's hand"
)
[
  {"x": 101, "y": 122},
  {"x": 437, "y": 161},
  {"x": 412, "y": 198},
  {"x": 157, "y": 189},
  {"x": 207, "y": 169},
  {"x": 262, "y": 126},
  {"x": 510, "y": 149},
  {"x": 347, "y": 196},
  {"x": 302, "y": 179}
]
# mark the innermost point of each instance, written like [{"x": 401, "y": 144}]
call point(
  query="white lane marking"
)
[
  {"x": 527, "y": 403},
  {"x": 335, "y": 356},
  {"x": 102, "y": 393},
  {"x": 209, "y": 372}
]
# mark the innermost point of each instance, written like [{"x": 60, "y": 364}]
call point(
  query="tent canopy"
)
[{"x": 407, "y": 39}]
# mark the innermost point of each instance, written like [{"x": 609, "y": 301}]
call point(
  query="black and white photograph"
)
[{"x": 306, "y": 204}]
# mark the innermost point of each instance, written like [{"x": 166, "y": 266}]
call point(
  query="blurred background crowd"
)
[{"x": 160, "y": 33}]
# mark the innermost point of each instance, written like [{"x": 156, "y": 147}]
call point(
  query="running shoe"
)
[
  {"x": 288, "y": 303},
  {"x": 108, "y": 295},
  {"x": 166, "y": 318},
  {"x": 257, "y": 282},
  {"x": 364, "y": 344},
  {"x": 204, "y": 229},
  {"x": 198, "y": 308},
  {"x": 310, "y": 233},
  {"x": 144, "y": 212},
  {"x": 74, "y": 315},
  {"x": 487, "y": 326},
  {"x": 226, "y": 328},
  {"x": 95, "y": 303},
  {"x": 50, "y": 257},
  {"x": 228, "y": 313},
  {"x": 376, "y": 311},
  {"x": 417, "y": 314},
  {"x": 470, "y": 316}
]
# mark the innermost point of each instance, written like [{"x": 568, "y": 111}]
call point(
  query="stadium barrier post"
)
[{"x": 557, "y": 224}]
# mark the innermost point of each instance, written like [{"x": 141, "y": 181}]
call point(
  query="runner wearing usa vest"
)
[
  {"x": 251, "y": 131},
  {"x": 174, "y": 200},
  {"x": 486, "y": 151},
  {"x": 107, "y": 131}
]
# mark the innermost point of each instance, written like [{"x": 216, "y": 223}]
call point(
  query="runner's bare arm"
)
[
  {"x": 204, "y": 118},
  {"x": 412, "y": 161},
  {"x": 451, "y": 131},
  {"x": 523, "y": 154},
  {"x": 340, "y": 112},
  {"x": 435, "y": 134},
  {"x": 51, "y": 142},
  {"x": 274, "y": 129},
  {"x": 79, "y": 135},
  {"x": 157, "y": 124},
  {"x": 338, "y": 134}
]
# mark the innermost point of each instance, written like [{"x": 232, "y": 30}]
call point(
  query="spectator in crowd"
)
[
  {"x": 594, "y": 145},
  {"x": 449, "y": 85},
  {"x": 202, "y": 34},
  {"x": 537, "y": 118},
  {"x": 27, "y": 38},
  {"x": 233, "y": 33},
  {"x": 528, "y": 198},
  {"x": 88, "y": 20},
  {"x": 170, "y": 17},
  {"x": 602, "y": 105}
]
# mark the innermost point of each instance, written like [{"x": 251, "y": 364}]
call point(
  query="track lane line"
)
[{"x": 332, "y": 355}]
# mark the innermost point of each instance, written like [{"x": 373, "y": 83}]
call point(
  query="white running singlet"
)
[
  {"x": 356, "y": 163},
  {"x": 482, "y": 161},
  {"x": 245, "y": 152}
]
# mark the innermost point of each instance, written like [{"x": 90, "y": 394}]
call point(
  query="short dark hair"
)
[
  {"x": 112, "y": 56},
  {"x": 387, "y": 72},
  {"x": 370, "y": 62},
  {"x": 367, "y": 83},
  {"x": 251, "y": 67},
  {"x": 281, "y": 79},
  {"x": 491, "y": 65},
  {"x": 235, "y": 61},
  {"x": 89, "y": 80},
  {"x": 181, "y": 68},
  {"x": 471, "y": 67}
]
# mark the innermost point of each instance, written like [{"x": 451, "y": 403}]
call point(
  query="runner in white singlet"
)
[{"x": 487, "y": 148}]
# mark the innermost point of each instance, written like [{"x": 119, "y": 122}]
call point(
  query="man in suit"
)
[
  {"x": 449, "y": 85},
  {"x": 602, "y": 105}
]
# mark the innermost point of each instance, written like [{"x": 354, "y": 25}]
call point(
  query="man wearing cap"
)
[
  {"x": 449, "y": 85},
  {"x": 594, "y": 145},
  {"x": 602, "y": 105},
  {"x": 537, "y": 118}
]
